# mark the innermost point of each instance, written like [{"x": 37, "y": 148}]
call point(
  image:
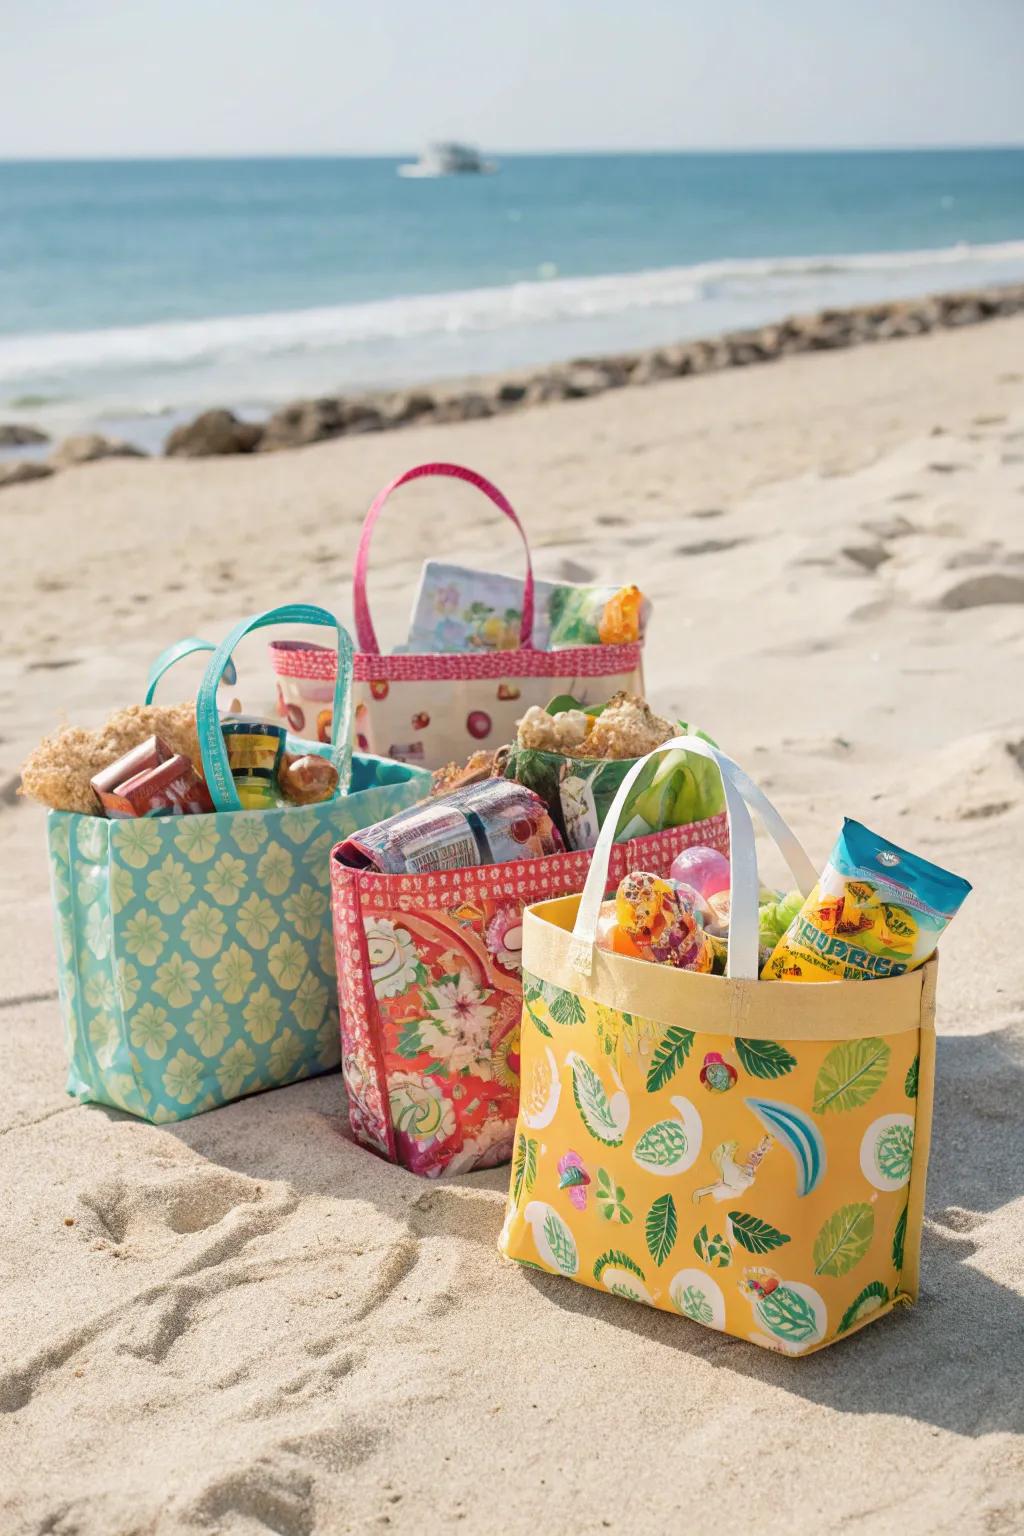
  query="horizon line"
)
[{"x": 523, "y": 154}]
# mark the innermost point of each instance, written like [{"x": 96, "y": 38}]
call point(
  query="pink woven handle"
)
[{"x": 365, "y": 632}]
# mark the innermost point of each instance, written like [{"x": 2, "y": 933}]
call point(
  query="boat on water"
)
[{"x": 449, "y": 159}]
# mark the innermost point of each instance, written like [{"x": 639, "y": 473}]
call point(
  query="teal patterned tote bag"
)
[{"x": 195, "y": 960}]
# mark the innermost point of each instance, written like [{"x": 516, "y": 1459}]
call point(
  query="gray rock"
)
[
  {"x": 745, "y": 347},
  {"x": 510, "y": 392},
  {"x": 20, "y": 471},
  {"x": 584, "y": 380},
  {"x": 211, "y": 434},
  {"x": 87, "y": 447},
  {"x": 405, "y": 406},
  {"x": 314, "y": 421},
  {"x": 652, "y": 368},
  {"x": 473, "y": 405},
  {"x": 14, "y": 435},
  {"x": 545, "y": 387}
]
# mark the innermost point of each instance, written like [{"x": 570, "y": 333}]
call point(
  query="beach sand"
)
[{"x": 246, "y": 1324}]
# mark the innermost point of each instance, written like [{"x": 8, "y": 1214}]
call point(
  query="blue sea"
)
[{"x": 136, "y": 292}]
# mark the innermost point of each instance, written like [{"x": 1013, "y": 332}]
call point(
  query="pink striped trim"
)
[
  {"x": 578, "y": 661},
  {"x": 411, "y": 893},
  {"x": 298, "y": 658}
]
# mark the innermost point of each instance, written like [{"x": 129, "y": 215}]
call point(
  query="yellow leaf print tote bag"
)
[{"x": 747, "y": 1154}]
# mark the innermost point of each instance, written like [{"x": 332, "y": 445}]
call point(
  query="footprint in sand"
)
[{"x": 978, "y": 591}]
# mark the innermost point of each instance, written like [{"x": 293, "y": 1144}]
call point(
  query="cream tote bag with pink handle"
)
[{"x": 438, "y": 708}]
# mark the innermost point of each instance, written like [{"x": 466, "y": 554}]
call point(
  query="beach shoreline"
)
[
  {"x": 245, "y": 1323},
  {"x": 228, "y": 430}
]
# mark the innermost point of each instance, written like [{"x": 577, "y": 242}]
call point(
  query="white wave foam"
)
[{"x": 240, "y": 339}]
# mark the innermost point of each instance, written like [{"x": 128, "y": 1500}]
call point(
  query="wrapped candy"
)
[{"x": 653, "y": 919}]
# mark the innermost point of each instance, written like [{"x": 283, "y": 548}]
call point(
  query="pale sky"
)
[{"x": 181, "y": 77}]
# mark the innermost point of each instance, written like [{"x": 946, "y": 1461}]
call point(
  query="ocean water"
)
[{"x": 137, "y": 292}]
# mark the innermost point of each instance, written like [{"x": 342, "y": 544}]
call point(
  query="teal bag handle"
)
[
  {"x": 211, "y": 740},
  {"x": 176, "y": 653}
]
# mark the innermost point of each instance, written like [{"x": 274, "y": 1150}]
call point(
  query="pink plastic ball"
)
[{"x": 705, "y": 869}]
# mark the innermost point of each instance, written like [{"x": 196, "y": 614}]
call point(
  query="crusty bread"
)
[{"x": 59, "y": 770}]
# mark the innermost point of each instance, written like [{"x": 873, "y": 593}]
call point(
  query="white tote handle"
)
[{"x": 743, "y": 923}]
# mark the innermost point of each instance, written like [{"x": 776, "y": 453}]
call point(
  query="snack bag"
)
[
  {"x": 876, "y": 911},
  {"x": 458, "y": 608}
]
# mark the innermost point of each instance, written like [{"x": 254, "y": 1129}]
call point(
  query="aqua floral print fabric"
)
[{"x": 195, "y": 954}]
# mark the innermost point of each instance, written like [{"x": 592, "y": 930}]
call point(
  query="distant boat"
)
[{"x": 449, "y": 159}]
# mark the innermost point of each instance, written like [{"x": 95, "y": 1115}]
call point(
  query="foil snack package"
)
[
  {"x": 490, "y": 823},
  {"x": 876, "y": 911}
]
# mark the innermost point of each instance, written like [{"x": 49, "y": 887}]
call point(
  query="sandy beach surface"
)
[{"x": 246, "y": 1324}]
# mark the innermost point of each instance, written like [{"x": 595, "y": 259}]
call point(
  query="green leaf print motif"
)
[
  {"x": 409, "y": 1042},
  {"x": 694, "y": 1304},
  {"x": 536, "y": 1020},
  {"x": 786, "y": 1314},
  {"x": 611, "y": 1199},
  {"x": 899, "y": 1238},
  {"x": 565, "y": 1007},
  {"x": 524, "y": 1168},
  {"x": 844, "y": 1240},
  {"x": 672, "y": 1051},
  {"x": 755, "y": 1235},
  {"x": 665, "y": 1143},
  {"x": 850, "y": 1075},
  {"x": 894, "y": 1152},
  {"x": 615, "y": 1258},
  {"x": 662, "y": 1228},
  {"x": 592, "y": 1103},
  {"x": 764, "y": 1058},
  {"x": 870, "y": 1299},
  {"x": 910, "y": 1081},
  {"x": 561, "y": 1243},
  {"x": 713, "y": 1250}
]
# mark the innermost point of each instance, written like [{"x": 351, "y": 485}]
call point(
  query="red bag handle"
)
[{"x": 365, "y": 632}]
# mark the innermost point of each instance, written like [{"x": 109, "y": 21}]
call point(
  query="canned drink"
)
[{"x": 254, "y": 749}]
